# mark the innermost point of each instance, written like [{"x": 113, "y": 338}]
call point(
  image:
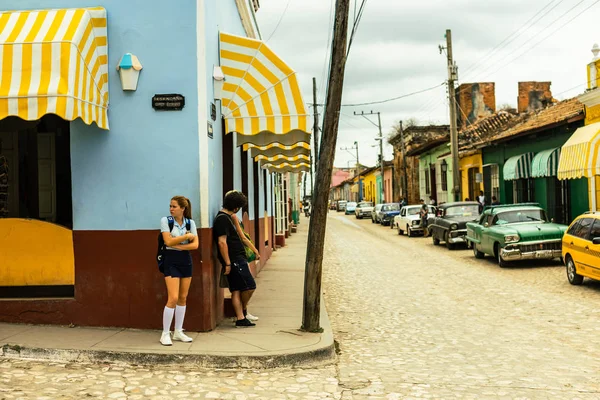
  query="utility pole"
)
[
  {"x": 355, "y": 147},
  {"x": 452, "y": 77},
  {"x": 316, "y": 122},
  {"x": 380, "y": 138},
  {"x": 405, "y": 191},
  {"x": 311, "y": 310}
]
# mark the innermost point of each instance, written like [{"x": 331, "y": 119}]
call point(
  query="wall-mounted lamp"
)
[
  {"x": 444, "y": 166},
  {"x": 218, "y": 81},
  {"x": 129, "y": 71}
]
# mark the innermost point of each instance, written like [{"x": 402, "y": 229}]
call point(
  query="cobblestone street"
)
[{"x": 411, "y": 321}]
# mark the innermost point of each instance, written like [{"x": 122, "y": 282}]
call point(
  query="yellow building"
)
[
  {"x": 471, "y": 174},
  {"x": 579, "y": 156},
  {"x": 369, "y": 178}
]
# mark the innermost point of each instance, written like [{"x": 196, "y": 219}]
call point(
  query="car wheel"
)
[
  {"x": 572, "y": 275},
  {"x": 501, "y": 262},
  {"x": 449, "y": 246},
  {"x": 409, "y": 231},
  {"x": 477, "y": 253},
  {"x": 436, "y": 241}
]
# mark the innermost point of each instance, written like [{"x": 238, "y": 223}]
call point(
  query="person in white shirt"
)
[{"x": 481, "y": 201}]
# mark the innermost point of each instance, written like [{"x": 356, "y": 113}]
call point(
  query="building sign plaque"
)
[{"x": 168, "y": 102}]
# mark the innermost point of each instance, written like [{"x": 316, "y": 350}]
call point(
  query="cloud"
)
[{"x": 396, "y": 52}]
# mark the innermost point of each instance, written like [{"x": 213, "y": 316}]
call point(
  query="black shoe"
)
[{"x": 243, "y": 323}]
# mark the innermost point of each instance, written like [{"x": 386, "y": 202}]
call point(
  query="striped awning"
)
[
  {"x": 288, "y": 167},
  {"x": 261, "y": 99},
  {"x": 518, "y": 167},
  {"x": 277, "y": 149},
  {"x": 54, "y": 62},
  {"x": 580, "y": 155},
  {"x": 545, "y": 163},
  {"x": 280, "y": 159}
]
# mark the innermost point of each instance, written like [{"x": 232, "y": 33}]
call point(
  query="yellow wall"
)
[
  {"x": 592, "y": 114},
  {"x": 370, "y": 185},
  {"x": 466, "y": 163},
  {"x": 35, "y": 253}
]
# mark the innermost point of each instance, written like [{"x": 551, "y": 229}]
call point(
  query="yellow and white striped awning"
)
[
  {"x": 281, "y": 159},
  {"x": 54, "y": 62},
  {"x": 580, "y": 155},
  {"x": 277, "y": 149},
  {"x": 288, "y": 167},
  {"x": 261, "y": 98}
]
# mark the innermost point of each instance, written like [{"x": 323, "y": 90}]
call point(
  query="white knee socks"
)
[
  {"x": 167, "y": 319},
  {"x": 179, "y": 316}
]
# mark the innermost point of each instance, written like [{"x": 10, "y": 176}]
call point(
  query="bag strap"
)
[
  {"x": 232, "y": 225},
  {"x": 171, "y": 222}
]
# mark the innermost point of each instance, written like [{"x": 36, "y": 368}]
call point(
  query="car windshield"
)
[
  {"x": 351, "y": 204},
  {"x": 462, "y": 211},
  {"x": 517, "y": 216},
  {"x": 391, "y": 207},
  {"x": 365, "y": 204},
  {"x": 413, "y": 210}
]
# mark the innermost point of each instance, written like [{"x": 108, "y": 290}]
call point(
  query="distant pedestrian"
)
[
  {"x": 403, "y": 203},
  {"x": 495, "y": 201},
  {"x": 467, "y": 199},
  {"x": 180, "y": 236},
  {"x": 481, "y": 201},
  {"x": 432, "y": 201},
  {"x": 232, "y": 255},
  {"x": 424, "y": 214},
  {"x": 421, "y": 201}
]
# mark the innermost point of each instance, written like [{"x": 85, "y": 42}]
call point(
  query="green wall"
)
[{"x": 548, "y": 139}]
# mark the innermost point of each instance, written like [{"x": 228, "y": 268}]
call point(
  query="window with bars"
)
[{"x": 444, "y": 179}]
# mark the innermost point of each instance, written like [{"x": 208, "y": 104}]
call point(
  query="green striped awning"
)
[
  {"x": 518, "y": 167},
  {"x": 545, "y": 163}
]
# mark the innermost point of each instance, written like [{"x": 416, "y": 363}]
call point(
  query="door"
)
[
  {"x": 46, "y": 176},
  {"x": 592, "y": 252},
  {"x": 433, "y": 184},
  {"x": 577, "y": 239},
  {"x": 9, "y": 196}
]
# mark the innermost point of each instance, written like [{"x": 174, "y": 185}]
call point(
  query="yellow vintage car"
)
[{"x": 581, "y": 248}]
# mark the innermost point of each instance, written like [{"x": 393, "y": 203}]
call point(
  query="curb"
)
[{"x": 323, "y": 355}]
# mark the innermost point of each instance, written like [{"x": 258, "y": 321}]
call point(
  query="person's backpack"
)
[{"x": 160, "y": 259}]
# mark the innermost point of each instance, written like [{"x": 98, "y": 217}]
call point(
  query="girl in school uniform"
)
[{"x": 177, "y": 266}]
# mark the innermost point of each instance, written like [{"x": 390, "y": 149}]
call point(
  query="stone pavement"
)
[
  {"x": 411, "y": 320},
  {"x": 275, "y": 341}
]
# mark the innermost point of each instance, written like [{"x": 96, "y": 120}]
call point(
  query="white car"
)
[
  {"x": 409, "y": 220},
  {"x": 364, "y": 209},
  {"x": 375, "y": 212}
]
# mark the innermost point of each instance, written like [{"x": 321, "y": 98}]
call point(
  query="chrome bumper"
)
[
  {"x": 516, "y": 254},
  {"x": 458, "y": 236}
]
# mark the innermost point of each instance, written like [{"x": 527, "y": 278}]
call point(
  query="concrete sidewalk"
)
[{"x": 275, "y": 341}]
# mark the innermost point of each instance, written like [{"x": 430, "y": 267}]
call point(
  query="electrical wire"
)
[
  {"x": 357, "y": 19},
  {"x": 533, "y": 37},
  {"x": 545, "y": 37},
  {"x": 513, "y": 36},
  {"x": 280, "y": 19},
  {"x": 393, "y": 98}
]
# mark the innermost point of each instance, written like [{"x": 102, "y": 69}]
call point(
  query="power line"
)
[
  {"x": 512, "y": 37},
  {"x": 393, "y": 98},
  {"x": 280, "y": 19},
  {"x": 547, "y": 36}
]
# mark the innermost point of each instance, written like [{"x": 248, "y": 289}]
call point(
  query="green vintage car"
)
[{"x": 515, "y": 232}]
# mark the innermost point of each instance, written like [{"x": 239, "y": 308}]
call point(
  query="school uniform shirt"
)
[{"x": 178, "y": 230}]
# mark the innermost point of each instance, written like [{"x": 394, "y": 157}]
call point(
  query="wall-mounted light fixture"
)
[
  {"x": 129, "y": 71},
  {"x": 218, "y": 81},
  {"x": 444, "y": 166}
]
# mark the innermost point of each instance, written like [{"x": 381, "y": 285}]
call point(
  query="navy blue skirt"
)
[{"x": 178, "y": 264}]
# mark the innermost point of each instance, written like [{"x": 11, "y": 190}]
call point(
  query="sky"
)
[{"x": 396, "y": 52}]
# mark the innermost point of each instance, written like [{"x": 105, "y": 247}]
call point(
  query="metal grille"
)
[{"x": 525, "y": 248}]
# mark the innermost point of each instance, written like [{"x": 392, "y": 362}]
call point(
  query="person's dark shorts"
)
[
  {"x": 240, "y": 278},
  {"x": 178, "y": 264}
]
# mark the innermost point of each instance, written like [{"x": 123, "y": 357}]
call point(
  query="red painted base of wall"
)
[{"x": 117, "y": 283}]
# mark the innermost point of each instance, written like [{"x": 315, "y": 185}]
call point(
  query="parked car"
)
[
  {"x": 450, "y": 223},
  {"x": 374, "y": 213},
  {"x": 341, "y": 205},
  {"x": 388, "y": 212},
  {"x": 581, "y": 248},
  {"x": 515, "y": 232},
  {"x": 350, "y": 208},
  {"x": 363, "y": 209},
  {"x": 333, "y": 205},
  {"x": 409, "y": 220}
]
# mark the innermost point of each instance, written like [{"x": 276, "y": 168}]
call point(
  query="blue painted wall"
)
[
  {"x": 123, "y": 179},
  {"x": 221, "y": 15}
]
